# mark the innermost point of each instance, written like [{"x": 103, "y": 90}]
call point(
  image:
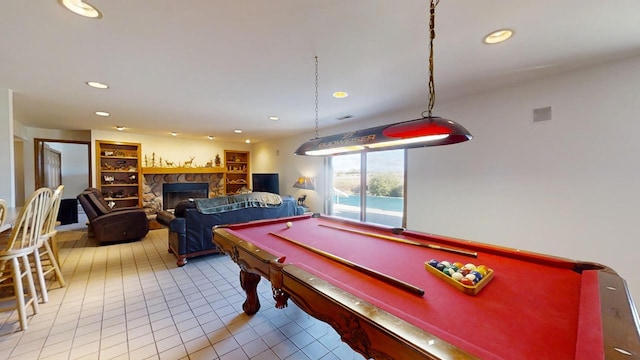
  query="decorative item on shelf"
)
[
  {"x": 209, "y": 164},
  {"x": 304, "y": 183},
  {"x": 168, "y": 163},
  {"x": 243, "y": 190},
  {"x": 108, "y": 179},
  {"x": 189, "y": 162},
  {"x": 217, "y": 160},
  {"x": 426, "y": 131},
  {"x": 107, "y": 153}
]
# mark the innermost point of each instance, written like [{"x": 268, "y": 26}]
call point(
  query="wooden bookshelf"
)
[{"x": 118, "y": 171}]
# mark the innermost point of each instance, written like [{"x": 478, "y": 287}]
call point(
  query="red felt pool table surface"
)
[{"x": 535, "y": 306}]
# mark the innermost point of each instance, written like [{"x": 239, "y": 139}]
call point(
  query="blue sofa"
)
[{"x": 190, "y": 226}]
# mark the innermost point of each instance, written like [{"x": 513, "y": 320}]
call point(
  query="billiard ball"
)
[
  {"x": 289, "y": 224},
  {"x": 449, "y": 271},
  {"x": 433, "y": 262},
  {"x": 466, "y": 281},
  {"x": 457, "y": 276},
  {"x": 477, "y": 274},
  {"x": 482, "y": 269}
]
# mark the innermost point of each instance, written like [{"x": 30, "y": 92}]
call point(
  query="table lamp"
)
[{"x": 304, "y": 183}]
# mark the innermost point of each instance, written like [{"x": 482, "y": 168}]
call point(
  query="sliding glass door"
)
[{"x": 371, "y": 181}]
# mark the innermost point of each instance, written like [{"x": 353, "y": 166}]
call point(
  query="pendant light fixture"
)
[{"x": 427, "y": 131}]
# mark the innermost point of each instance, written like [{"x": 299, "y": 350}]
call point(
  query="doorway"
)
[{"x": 65, "y": 162}]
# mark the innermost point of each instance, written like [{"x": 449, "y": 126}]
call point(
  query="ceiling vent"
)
[
  {"x": 344, "y": 117},
  {"x": 542, "y": 114}
]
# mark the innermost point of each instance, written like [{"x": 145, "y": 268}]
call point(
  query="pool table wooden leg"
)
[{"x": 249, "y": 283}]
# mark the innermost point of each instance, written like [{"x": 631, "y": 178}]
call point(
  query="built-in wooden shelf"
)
[
  {"x": 118, "y": 172},
  {"x": 184, "y": 170}
]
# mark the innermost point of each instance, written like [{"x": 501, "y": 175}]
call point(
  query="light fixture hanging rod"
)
[{"x": 427, "y": 131}]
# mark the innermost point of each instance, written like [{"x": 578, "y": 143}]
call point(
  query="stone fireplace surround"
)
[{"x": 152, "y": 186}]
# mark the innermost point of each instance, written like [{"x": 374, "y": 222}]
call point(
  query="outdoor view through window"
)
[{"x": 383, "y": 172}]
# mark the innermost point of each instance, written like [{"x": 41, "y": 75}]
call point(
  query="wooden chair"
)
[
  {"x": 3, "y": 211},
  {"x": 14, "y": 258},
  {"x": 45, "y": 261}
]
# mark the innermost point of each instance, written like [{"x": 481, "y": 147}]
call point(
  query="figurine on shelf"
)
[
  {"x": 217, "y": 160},
  {"x": 209, "y": 164},
  {"x": 189, "y": 162},
  {"x": 169, "y": 163}
]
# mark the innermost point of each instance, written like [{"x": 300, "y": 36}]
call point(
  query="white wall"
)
[
  {"x": 7, "y": 180},
  {"x": 74, "y": 168},
  {"x": 567, "y": 187},
  {"x": 277, "y": 156}
]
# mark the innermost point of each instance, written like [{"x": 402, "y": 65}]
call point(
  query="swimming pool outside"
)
[{"x": 374, "y": 202}]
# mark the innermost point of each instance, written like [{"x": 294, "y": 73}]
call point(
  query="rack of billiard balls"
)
[{"x": 469, "y": 278}]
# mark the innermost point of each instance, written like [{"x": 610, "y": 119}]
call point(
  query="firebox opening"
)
[{"x": 173, "y": 193}]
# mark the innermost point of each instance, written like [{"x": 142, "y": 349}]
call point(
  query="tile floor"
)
[{"x": 131, "y": 301}]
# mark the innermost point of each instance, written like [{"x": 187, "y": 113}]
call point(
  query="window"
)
[{"x": 382, "y": 176}]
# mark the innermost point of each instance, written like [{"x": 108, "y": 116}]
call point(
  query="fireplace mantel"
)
[{"x": 184, "y": 170}]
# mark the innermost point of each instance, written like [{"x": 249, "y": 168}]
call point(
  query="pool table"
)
[{"x": 535, "y": 306}]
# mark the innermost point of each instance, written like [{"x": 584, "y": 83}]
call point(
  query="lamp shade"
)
[
  {"x": 427, "y": 131},
  {"x": 304, "y": 183}
]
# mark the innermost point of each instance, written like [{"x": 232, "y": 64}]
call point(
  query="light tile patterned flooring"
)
[{"x": 131, "y": 301}]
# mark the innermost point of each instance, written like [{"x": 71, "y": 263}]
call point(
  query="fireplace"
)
[{"x": 173, "y": 193}]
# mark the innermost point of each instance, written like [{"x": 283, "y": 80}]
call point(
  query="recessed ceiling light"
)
[
  {"x": 237, "y": 131},
  {"x": 247, "y": 141},
  {"x": 120, "y": 128},
  {"x": 274, "y": 118},
  {"x": 102, "y": 113},
  {"x": 498, "y": 36},
  {"x": 340, "y": 94},
  {"x": 173, "y": 133},
  {"x": 81, "y": 8},
  {"x": 210, "y": 137},
  {"x": 97, "y": 85}
]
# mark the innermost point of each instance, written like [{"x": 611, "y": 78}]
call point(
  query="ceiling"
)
[{"x": 206, "y": 67}]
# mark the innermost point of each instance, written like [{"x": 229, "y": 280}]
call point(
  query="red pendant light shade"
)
[{"x": 427, "y": 127}]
